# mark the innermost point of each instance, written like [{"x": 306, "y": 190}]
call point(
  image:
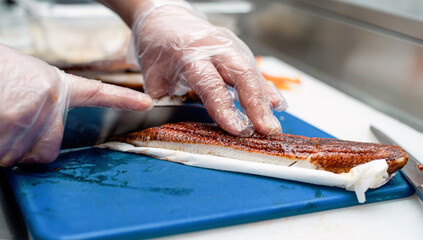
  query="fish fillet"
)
[
  {"x": 336, "y": 162},
  {"x": 119, "y": 72},
  {"x": 337, "y": 156}
]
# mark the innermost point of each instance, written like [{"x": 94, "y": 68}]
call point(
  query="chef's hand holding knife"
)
[
  {"x": 34, "y": 99},
  {"x": 176, "y": 48}
]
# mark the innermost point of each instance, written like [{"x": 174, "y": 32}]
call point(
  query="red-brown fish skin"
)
[{"x": 337, "y": 156}]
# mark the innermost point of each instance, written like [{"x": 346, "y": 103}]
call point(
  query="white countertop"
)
[{"x": 344, "y": 118}]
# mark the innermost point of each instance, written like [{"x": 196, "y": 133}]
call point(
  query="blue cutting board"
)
[{"x": 104, "y": 194}]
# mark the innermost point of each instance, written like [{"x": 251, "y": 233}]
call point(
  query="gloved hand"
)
[
  {"x": 34, "y": 99},
  {"x": 178, "y": 50}
]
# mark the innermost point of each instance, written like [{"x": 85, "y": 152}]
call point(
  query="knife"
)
[
  {"x": 93, "y": 125},
  {"x": 411, "y": 171}
]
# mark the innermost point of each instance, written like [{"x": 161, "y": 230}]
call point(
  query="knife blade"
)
[
  {"x": 93, "y": 125},
  {"x": 411, "y": 171}
]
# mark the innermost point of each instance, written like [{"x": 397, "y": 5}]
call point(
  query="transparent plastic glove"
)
[
  {"x": 178, "y": 50},
  {"x": 34, "y": 99}
]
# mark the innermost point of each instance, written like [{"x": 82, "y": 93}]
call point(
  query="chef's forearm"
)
[
  {"x": 125, "y": 9},
  {"x": 129, "y": 10}
]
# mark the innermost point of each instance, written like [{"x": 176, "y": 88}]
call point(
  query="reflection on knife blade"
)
[{"x": 90, "y": 126}]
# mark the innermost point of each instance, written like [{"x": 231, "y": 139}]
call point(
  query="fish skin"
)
[{"x": 333, "y": 155}]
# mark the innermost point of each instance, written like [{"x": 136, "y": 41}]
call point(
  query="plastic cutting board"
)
[{"x": 103, "y": 194}]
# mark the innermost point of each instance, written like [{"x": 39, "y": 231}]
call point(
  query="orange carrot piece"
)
[
  {"x": 280, "y": 82},
  {"x": 280, "y": 79},
  {"x": 258, "y": 60}
]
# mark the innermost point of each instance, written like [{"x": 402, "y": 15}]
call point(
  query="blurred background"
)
[{"x": 371, "y": 50}]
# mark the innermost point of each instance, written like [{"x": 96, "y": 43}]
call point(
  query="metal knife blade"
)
[
  {"x": 90, "y": 126},
  {"x": 411, "y": 171}
]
